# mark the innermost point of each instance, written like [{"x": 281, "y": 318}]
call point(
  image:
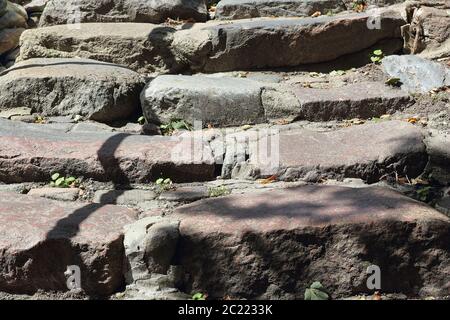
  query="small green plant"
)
[
  {"x": 377, "y": 56},
  {"x": 199, "y": 296},
  {"x": 423, "y": 193},
  {"x": 59, "y": 181},
  {"x": 218, "y": 191},
  {"x": 141, "y": 120},
  {"x": 316, "y": 292},
  {"x": 174, "y": 125},
  {"x": 164, "y": 183},
  {"x": 393, "y": 82}
]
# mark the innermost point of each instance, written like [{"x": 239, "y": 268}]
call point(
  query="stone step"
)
[
  {"x": 217, "y": 46},
  {"x": 368, "y": 151},
  {"x": 153, "y": 11},
  {"x": 142, "y": 47},
  {"x": 244, "y": 9},
  {"x": 56, "y": 87},
  {"x": 41, "y": 238},
  {"x": 262, "y": 43},
  {"x": 273, "y": 245},
  {"x": 32, "y": 152},
  {"x": 226, "y": 101}
]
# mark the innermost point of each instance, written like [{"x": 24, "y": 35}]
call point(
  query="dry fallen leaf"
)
[
  {"x": 377, "y": 296},
  {"x": 316, "y": 14},
  {"x": 268, "y": 180},
  {"x": 413, "y": 120}
]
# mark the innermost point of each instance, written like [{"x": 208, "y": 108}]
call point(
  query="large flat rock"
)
[
  {"x": 153, "y": 11},
  {"x": 30, "y": 152},
  {"x": 40, "y": 238},
  {"x": 243, "y": 9},
  {"x": 281, "y": 42},
  {"x": 367, "y": 151},
  {"x": 362, "y": 100},
  {"x": 57, "y": 87},
  {"x": 219, "y": 101},
  {"x": 143, "y": 47},
  {"x": 274, "y": 244}
]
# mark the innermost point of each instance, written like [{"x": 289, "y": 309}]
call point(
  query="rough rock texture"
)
[
  {"x": 62, "y": 194},
  {"x": 429, "y": 32},
  {"x": 243, "y": 9},
  {"x": 153, "y": 11},
  {"x": 139, "y": 46},
  {"x": 13, "y": 21},
  {"x": 367, "y": 151},
  {"x": 31, "y": 152},
  {"x": 9, "y": 39},
  {"x": 416, "y": 74},
  {"x": 55, "y": 87},
  {"x": 218, "y": 101},
  {"x": 251, "y": 246},
  {"x": 438, "y": 148},
  {"x": 40, "y": 238},
  {"x": 281, "y": 42},
  {"x": 361, "y": 100},
  {"x": 123, "y": 197}
]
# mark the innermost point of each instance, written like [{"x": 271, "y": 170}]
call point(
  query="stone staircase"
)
[{"x": 242, "y": 150}]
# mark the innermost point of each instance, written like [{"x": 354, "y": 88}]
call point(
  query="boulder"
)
[
  {"x": 9, "y": 39},
  {"x": 438, "y": 148},
  {"x": 428, "y": 33},
  {"x": 368, "y": 151},
  {"x": 55, "y": 87},
  {"x": 252, "y": 247},
  {"x": 360, "y": 100},
  {"x": 142, "y": 47},
  {"x": 218, "y": 101},
  {"x": 41, "y": 238},
  {"x": 417, "y": 75},
  {"x": 153, "y": 11},
  {"x": 32, "y": 152},
  {"x": 281, "y": 42},
  {"x": 243, "y": 9}
]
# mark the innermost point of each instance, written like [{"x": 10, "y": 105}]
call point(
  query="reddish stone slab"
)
[
  {"x": 31, "y": 152},
  {"x": 367, "y": 151},
  {"x": 275, "y": 244},
  {"x": 39, "y": 238}
]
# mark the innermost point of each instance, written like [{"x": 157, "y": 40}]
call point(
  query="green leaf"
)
[
  {"x": 198, "y": 296},
  {"x": 70, "y": 180},
  {"x": 160, "y": 181},
  {"x": 141, "y": 120},
  {"x": 167, "y": 181},
  {"x": 375, "y": 59},
  {"x": 316, "y": 285},
  {"x": 59, "y": 181},
  {"x": 378, "y": 52},
  {"x": 55, "y": 176}
]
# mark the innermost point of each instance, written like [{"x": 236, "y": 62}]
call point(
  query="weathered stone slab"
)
[
  {"x": 417, "y": 75},
  {"x": 243, "y": 9},
  {"x": 361, "y": 100},
  {"x": 273, "y": 245},
  {"x": 366, "y": 151},
  {"x": 281, "y": 42},
  {"x": 142, "y": 47},
  {"x": 56, "y": 87},
  {"x": 40, "y": 238},
  {"x": 188, "y": 193},
  {"x": 218, "y": 101},
  {"x": 123, "y": 197},
  {"x": 153, "y": 11},
  {"x": 31, "y": 152},
  {"x": 61, "y": 194}
]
